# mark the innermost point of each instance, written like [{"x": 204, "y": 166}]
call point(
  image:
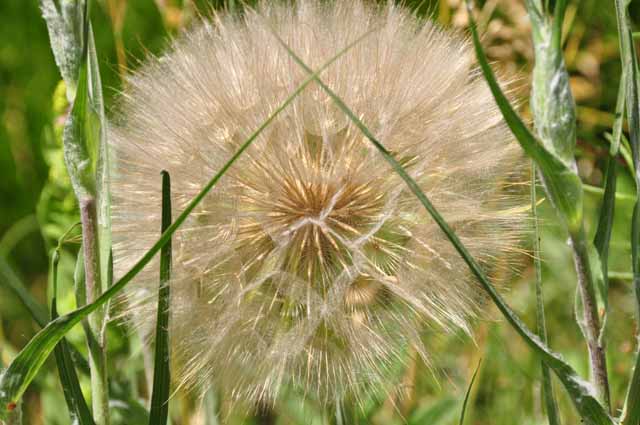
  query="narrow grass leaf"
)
[
  {"x": 631, "y": 409},
  {"x": 76, "y": 404},
  {"x": 580, "y": 391},
  {"x": 548, "y": 394},
  {"x": 468, "y": 393},
  {"x": 10, "y": 279},
  {"x": 604, "y": 228},
  {"x": 28, "y": 362},
  {"x": 161, "y": 374}
]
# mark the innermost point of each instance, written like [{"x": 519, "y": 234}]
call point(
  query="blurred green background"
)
[{"x": 36, "y": 206}]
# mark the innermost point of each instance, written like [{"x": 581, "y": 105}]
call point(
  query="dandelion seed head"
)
[{"x": 311, "y": 265}]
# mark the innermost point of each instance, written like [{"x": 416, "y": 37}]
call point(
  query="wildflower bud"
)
[{"x": 311, "y": 265}]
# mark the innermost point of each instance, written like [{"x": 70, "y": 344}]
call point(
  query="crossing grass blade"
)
[
  {"x": 580, "y": 391},
  {"x": 28, "y": 362},
  {"x": 77, "y": 405},
  {"x": 161, "y": 374}
]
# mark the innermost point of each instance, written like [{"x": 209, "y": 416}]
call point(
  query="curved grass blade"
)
[
  {"x": 9, "y": 278},
  {"x": 580, "y": 391},
  {"x": 77, "y": 405},
  {"x": 18, "y": 231},
  {"x": 561, "y": 181},
  {"x": 563, "y": 187},
  {"x": 28, "y": 362},
  {"x": 161, "y": 374},
  {"x": 468, "y": 393}
]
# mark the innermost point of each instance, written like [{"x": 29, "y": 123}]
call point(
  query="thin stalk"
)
[
  {"x": 96, "y": 340},
  {"x": 547, "y": 388},
  {"x": 597, "y": 354}
]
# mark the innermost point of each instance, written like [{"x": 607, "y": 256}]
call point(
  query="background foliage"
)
[{"x": 37, "y": 206}]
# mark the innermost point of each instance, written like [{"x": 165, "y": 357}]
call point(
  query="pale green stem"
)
[
  {"x": 96, "y": 340},
  {"x": 586, "y": 287}
]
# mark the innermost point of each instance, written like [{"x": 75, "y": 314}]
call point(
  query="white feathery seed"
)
[{"x": 311, "y": 265}]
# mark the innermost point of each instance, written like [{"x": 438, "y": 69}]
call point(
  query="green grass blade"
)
[
  {"x": 9, "y": 278},
  {"x": 548, "y": 394},
  {"x": 604, "y": 228},
  {"x": 77, "y": 405},
  {"x": 631, "y": 72},
  {"x": 554, "y": 112},
  {"x": 18, "y": 231},
  {"x": 560, "y": 180},
  {"x": 38, "y": 313},
  {"x": 579, "y": 390},
  {"x": 29, "y": 361},
  {"x": 161, "y": 374},
  {"x": 468, "y": 393}
]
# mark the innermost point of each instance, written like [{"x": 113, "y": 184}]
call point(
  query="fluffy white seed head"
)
[{"x": 311, "y": 265}]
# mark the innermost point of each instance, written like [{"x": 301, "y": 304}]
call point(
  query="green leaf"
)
[
  {"x": 77, "y": 405},
  {"x": 65, "y": 23},
  {"x": 468, "y": 393},
  {"x": 28, "y": 362},
  {"x": 161, "y": 374},
  {"x": 579, "y": 390}
]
